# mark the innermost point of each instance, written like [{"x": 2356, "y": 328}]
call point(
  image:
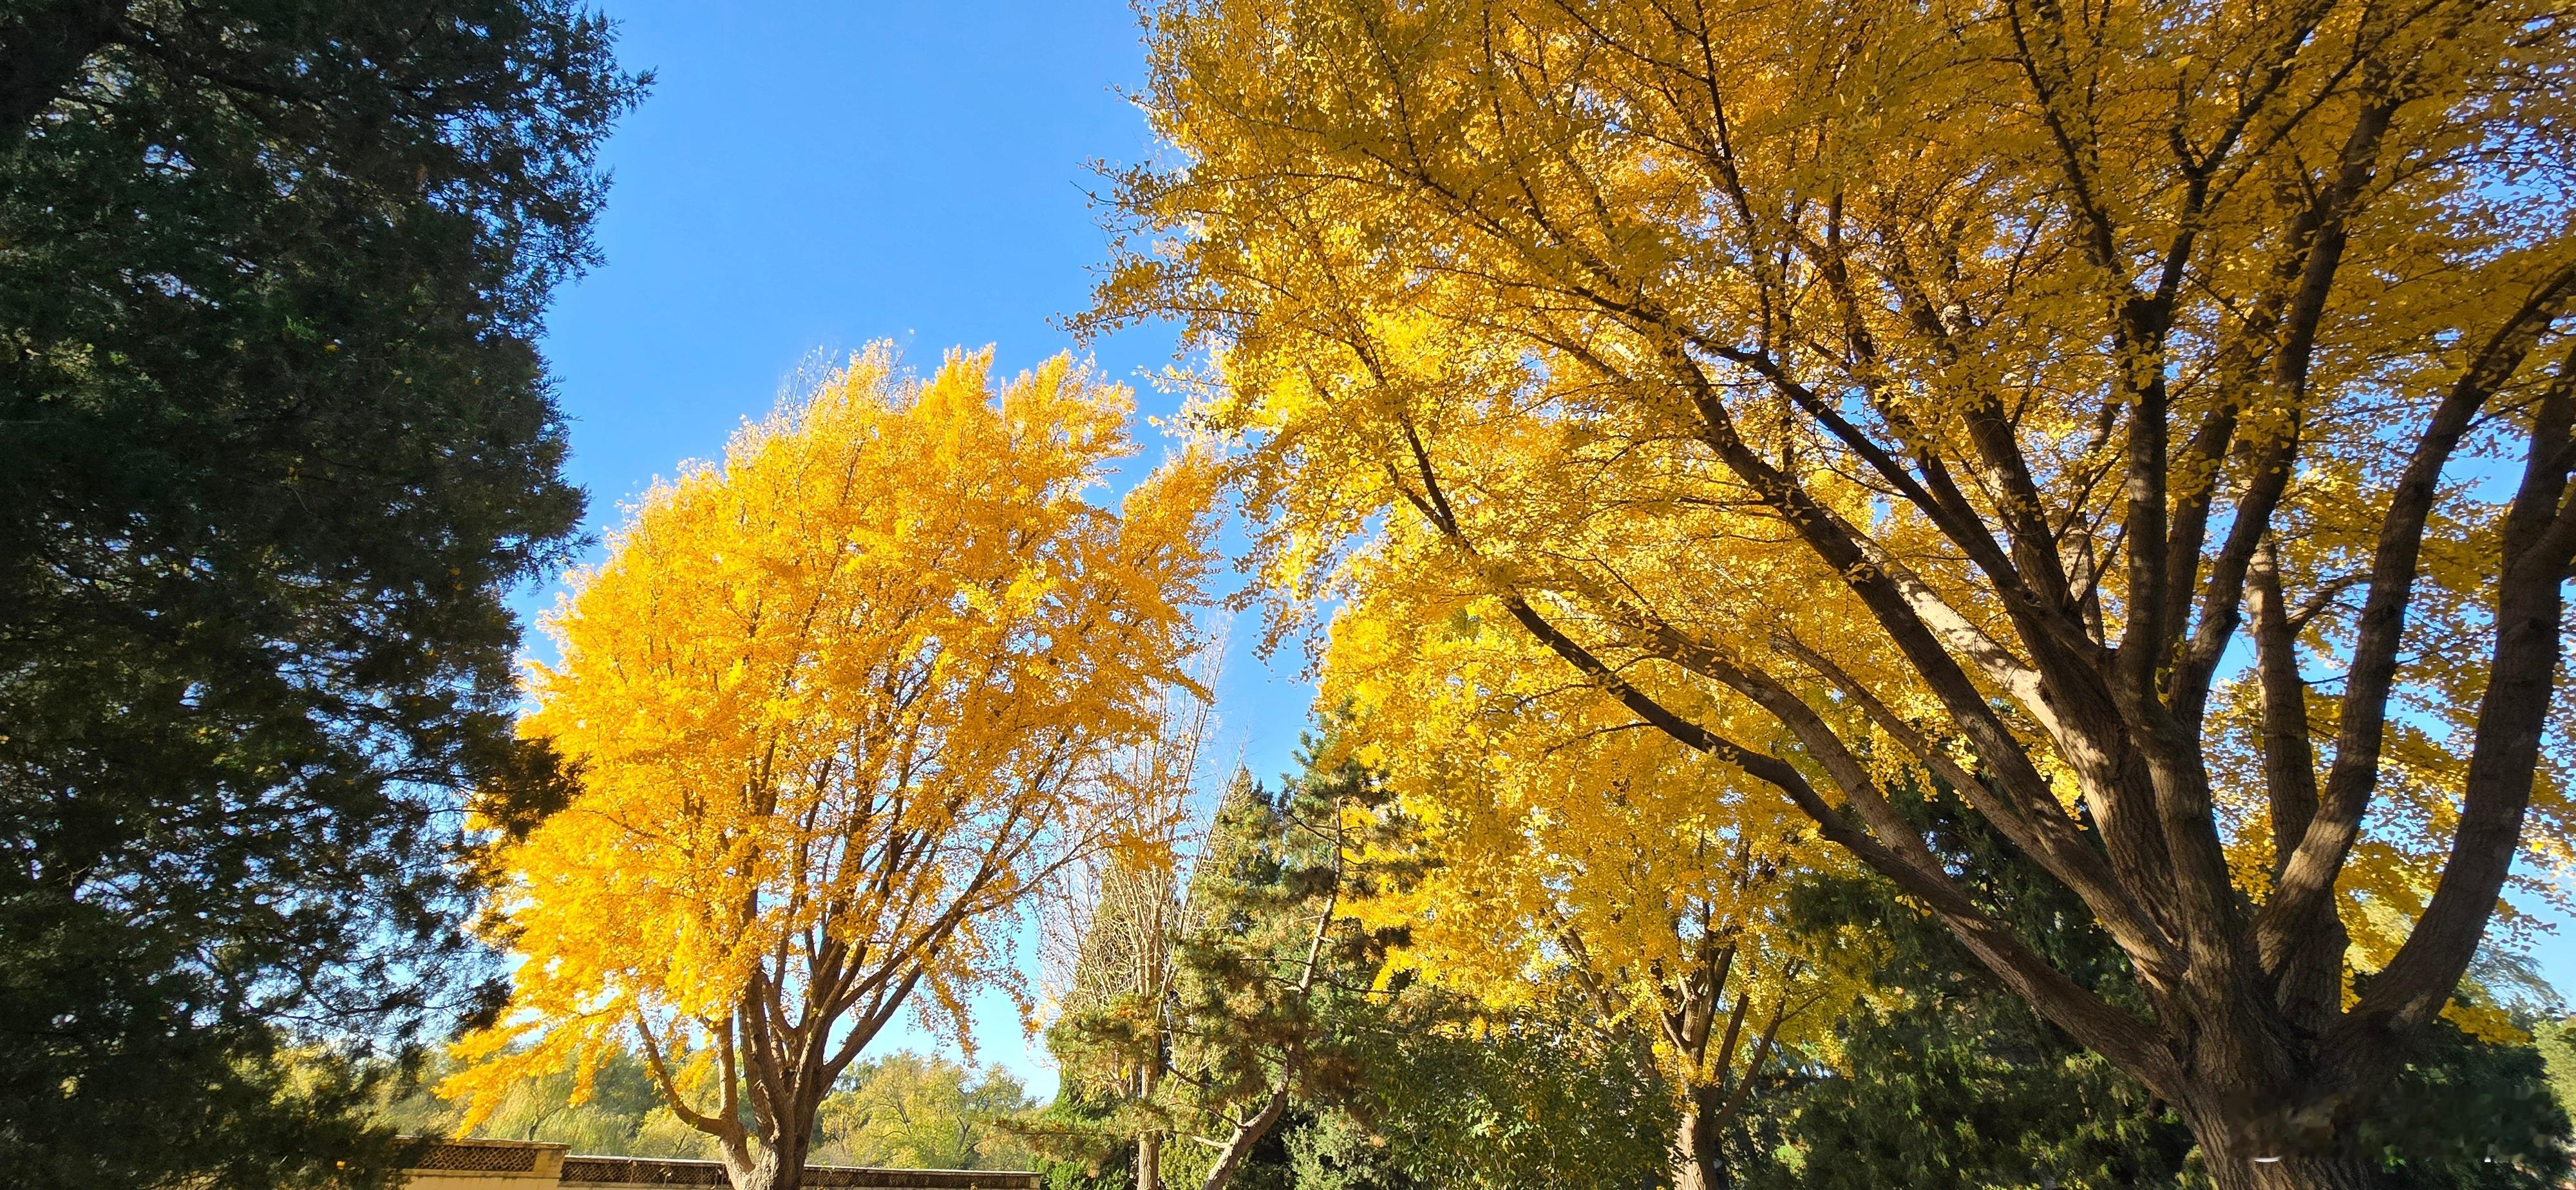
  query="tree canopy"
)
[
  {"x": 2151, "y": 423},
  {"x": 836, "y": 706},
  {"x": 1956, "y": 593},
  {"x": 278, "y": 444}
]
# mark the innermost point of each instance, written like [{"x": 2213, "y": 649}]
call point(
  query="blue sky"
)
[{"x": 811, "y": 177}]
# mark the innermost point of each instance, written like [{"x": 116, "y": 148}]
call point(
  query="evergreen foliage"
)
[
  {"x": 1939, "y": 1078},
  {"x": 1388, "y": 1082},
  {"x": 278, "y": 444},
  {"x": 1945, "y": 1079},
  {"x": 1452, "y": 1097},
  {"x": 1605, "y": 366}
]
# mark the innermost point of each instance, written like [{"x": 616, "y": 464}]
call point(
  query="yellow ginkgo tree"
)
[
  {"x": 1562, "y": 845},
  {"x": 834, "y": 707},
  {"x": 2156, "y": 422}
]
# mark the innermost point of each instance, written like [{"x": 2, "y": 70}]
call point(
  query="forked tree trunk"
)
[
  {"x": 2024, "y": 663},
  {"x": 1247, "y": 1133},
  {"x": 2262, "y": 1113},
  {"x": 759, "y": 1168},
  {"x": 761, "y": 1163}
]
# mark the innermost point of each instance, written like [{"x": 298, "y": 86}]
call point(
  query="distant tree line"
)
[{"x": 902, "y": 1111}]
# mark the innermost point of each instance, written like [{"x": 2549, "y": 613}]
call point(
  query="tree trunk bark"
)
[
  {"x": 1695, "y": 1156},
  {"x": 1149, "y": 1079},
  {"x": 762, "y": 1170},
  {"x": 1247, "y": 1133},
  {"x": 2244, "y": 1154},
  {"x": 2292, "y": 1171},
  {"x": 1149, "y": 1161},
  {"x": 766, "y": 1166}
]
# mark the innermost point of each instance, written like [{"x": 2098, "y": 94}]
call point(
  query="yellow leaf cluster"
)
[
  {"x": 1521, "y": 297},
  {"x": 1565, "y": 846},
  {"x": 835, "y": 704}
]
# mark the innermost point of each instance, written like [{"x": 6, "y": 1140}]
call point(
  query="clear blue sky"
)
[{"x": 815, "y": 176}]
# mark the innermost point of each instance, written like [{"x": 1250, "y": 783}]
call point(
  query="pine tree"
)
[{"x": 275, "y": 445}]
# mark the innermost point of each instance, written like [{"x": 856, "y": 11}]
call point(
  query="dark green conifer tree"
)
[
  {"x": 275, "y": 443},
  {"x": 1286, "y": 1048}
]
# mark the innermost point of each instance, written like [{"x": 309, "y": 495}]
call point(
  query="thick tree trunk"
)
[
  {"x": 2297, "y": 1172},
  {"x": 1695, "y": 1156},
  {"x": 2257, "y": 1152},
  {"x": 779, "y": 1166},
  {"x": 758, "y": 1168}
]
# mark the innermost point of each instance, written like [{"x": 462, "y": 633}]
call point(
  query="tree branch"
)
[
  {"x": 2309, "y": 875},
  {"x": 42, "y": 50},
  {"x": 2539, "y": 544}
]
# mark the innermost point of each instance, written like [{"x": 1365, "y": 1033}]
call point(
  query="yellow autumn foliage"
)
[
  {"x": 2152, "y": 422},
  {"x": 835, "y": 705},
  {"x": 1565, "y": 847}
]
